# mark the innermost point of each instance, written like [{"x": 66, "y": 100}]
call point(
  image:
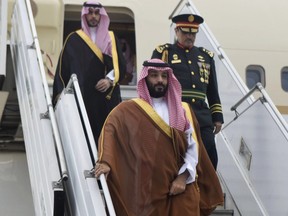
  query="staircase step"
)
[{"x": 222, "y": 212}]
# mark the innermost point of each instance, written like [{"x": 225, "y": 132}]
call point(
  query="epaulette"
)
[
  {"x": 211, "y": 54},
  {"x": 163, "y": 47}
]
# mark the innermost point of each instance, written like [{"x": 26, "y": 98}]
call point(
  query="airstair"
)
[{"x": 61, "y": 153}]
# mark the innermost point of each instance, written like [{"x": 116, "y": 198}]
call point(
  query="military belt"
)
[{"x": 193, "y": 94}]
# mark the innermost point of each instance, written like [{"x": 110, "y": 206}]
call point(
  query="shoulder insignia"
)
[
  {"x": 163, "y": 47},
  {"x": 211, "y": 54}
]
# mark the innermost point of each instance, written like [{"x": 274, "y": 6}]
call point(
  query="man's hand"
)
[
  {"x": 103, "y": 85},
  {"x": 217, "y": 127},
  {"x": 102, "y": 168},
  {"x": 179, "y": 184}
]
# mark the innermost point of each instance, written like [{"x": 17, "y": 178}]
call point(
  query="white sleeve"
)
[
  {"x": 110, "y": 75},
  {"x": 191, "y": 157}
]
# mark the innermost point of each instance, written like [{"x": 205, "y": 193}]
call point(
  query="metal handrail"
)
[
  {"x": 282, "y": 124},
  {"x": 59, "y": 148},
  {"x": 233, "y": 108},
  {"x": 3, "y": 35},
  {"x": 73, "y": 83},
  {"x": 266, "y": 100}
]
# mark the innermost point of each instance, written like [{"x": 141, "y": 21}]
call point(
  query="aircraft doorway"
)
[{"x": 121, "y": 23}]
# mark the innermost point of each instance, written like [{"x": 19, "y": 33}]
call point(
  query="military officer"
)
[{"x": 195, "y": 69}]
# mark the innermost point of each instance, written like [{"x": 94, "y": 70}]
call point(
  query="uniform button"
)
[
  {"x": 189, "y": 62},
  {"x": 192, "y": 73},
  {"x": 187, "y": 50},
  {"x": 193, "y": 86},
  {"x": 193, "y": 100}
]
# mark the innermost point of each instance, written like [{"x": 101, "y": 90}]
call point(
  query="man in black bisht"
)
[{"x": 94, "y": 55}]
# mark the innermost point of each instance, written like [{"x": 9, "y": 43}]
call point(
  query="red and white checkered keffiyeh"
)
[
  {"x": 177, "y": 117},
  {"x": 103, "y": 40}
]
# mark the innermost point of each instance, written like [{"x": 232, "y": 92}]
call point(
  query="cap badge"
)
[{"x": 191, "y": 18}]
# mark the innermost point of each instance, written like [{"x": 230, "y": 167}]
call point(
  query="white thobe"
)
[
  {"x": 109, "y": 75},
  {"x": 191, "y": 156}
]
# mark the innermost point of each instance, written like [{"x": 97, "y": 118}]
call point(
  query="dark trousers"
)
[{"x": 208, "y": 139}]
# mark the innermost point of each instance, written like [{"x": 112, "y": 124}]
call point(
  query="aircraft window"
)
[
  {"x": 255, "y": 74},
  {"x": 284, "y": 79}
]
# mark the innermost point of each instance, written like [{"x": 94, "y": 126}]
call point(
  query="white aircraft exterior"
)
[
  {"x": 250, "y": 45},
  {"x": 252, "y": 34}
]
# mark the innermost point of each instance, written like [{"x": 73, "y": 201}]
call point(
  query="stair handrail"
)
[
  {"x": 248, "y": 94},
  {"x": 58, "y": 144},
  {"x": 266, "y": 100},
  {"x": 73, "y": 84},
  {"x": 3, "y": 35}
]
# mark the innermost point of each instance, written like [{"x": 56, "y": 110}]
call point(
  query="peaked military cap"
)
[{"x": 188, "y": 22}]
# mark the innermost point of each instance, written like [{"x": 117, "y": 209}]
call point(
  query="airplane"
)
[
  {"x": 252, "y": 36},
  {"x": 246, "y": 41},
  {"x": 234, "y": 32}
]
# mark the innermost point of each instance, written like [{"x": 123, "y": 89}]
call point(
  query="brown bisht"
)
[
  {"x": 145, "y": 155},
  {"x": 211, "y": 194}
]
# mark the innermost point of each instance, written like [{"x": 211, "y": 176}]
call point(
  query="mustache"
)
[
  {"x": 189, "y": 40},
  {"x": 159, "y": 85}
]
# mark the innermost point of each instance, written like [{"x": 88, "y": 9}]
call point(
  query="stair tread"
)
[{"x": 223, "y": 212}]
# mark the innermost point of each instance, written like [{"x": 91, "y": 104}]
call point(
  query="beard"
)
[
  {"x": 93, "y": 23},
  {"x": 156, "y": 91}
]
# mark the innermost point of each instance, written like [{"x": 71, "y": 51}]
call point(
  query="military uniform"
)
[{"x": 195, "y": 70}]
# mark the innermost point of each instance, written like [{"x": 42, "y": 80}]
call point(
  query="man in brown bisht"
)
[{"x": 152, "y": 155}]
